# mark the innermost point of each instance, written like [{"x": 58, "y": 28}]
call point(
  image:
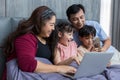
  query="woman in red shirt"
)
[{"x": 30, "y": 40}]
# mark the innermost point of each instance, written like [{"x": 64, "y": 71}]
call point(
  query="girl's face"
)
[
  {"x": 87, "y": 41},
  {"x": 48, "y": 27},
  {"x": 65, "y": 37}
]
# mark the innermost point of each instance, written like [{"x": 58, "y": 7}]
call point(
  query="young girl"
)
[
  {"x": 87, "y": 36},
  {"x": 66, "y": 50}
]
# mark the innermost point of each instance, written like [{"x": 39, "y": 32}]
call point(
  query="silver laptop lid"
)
[{"x": 93, "y": 63}]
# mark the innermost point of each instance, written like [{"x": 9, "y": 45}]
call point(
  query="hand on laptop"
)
[
  {"x": 78, "y": 58},
  {"x": 97, "y": 49},
  {"x": 66, "y": 69}
]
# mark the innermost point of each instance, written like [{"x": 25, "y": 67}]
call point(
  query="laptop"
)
[{"x": 93, "y": 63}]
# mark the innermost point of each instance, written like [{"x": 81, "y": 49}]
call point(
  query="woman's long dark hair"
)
[{"x": 32, "y": 25}]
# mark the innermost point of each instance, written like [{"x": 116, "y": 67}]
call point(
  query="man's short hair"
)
[{"x": 73, "y": 9}]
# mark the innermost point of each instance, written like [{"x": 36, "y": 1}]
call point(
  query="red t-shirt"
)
[{"x": 25, "y": 52}]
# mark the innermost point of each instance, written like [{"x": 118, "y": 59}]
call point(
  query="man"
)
[{"x": 76, "y": 15}]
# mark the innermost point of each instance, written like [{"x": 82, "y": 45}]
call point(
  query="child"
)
[
  {"x": 90, "y": 43},
  {"x": 86, "y": 36},
  {"x": 66, "y": 50}
]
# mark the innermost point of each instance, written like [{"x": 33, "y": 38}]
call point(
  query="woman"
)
[{"x": 30, "y": 40}]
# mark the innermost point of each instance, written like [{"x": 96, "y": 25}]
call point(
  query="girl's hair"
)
[
  {"x": 62, "y": 27},
  {"x": 32, "y": 25},
  {"x": 87, "y": 30}
]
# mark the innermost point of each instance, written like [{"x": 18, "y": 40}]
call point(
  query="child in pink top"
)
[{"x": 66, "y": 50}]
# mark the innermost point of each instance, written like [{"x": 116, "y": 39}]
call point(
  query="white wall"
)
[{"x": 105, "y": 12}]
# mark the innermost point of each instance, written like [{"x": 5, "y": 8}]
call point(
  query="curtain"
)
[{"x": 115, "y": 24}]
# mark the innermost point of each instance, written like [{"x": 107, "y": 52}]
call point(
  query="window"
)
[{"x": 105, "y": 12}]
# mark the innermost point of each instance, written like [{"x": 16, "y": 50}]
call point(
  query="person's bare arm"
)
[
  {"x": 58, "y": 61},
  {"x": 48, "y": 68},
  {"x": 67, "y": 61},
  {"x": 106, "y": 44}
]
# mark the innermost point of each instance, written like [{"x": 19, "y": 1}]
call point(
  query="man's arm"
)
[{"x": 106, "y": 44}]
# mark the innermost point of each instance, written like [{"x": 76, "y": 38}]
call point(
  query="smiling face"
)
[
  {"x": 87, "y": 40},
  {"x": 48, "y": 27},
  {"x": 78, "y": 19},
  {"x": 65, "y": 37}
]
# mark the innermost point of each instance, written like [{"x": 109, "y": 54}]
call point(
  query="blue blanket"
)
[{"x": 14, "y": 73}]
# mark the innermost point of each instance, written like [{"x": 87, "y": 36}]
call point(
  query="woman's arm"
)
[
  {"x": 47, "y": 68},
  {"x": 25, "y": 49}
]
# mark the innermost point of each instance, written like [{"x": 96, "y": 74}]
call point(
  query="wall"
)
[
  {"x": 2, "y": 7},
  {"x": 23, "y": 8}
]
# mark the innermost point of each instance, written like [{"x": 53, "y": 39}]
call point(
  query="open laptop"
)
[{"x": 93, "y": 63}]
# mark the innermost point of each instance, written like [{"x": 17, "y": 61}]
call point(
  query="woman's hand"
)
[
  {"x": 48, "y": 68},
  {"x": 66, "y": 69}
]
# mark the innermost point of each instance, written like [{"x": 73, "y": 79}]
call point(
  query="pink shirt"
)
[{"x": 67, "y": 51}]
